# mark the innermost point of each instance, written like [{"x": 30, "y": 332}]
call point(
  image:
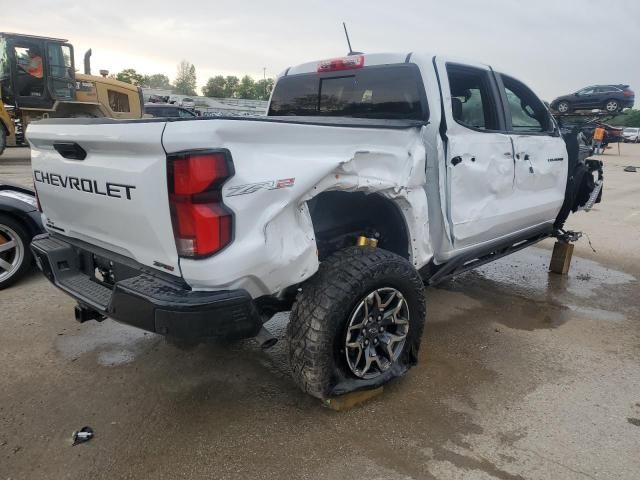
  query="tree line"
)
[
  {"x": 185, "y": 83},
  {"x": 234, "y": 87},
  {"x": 629, "y": 118}
]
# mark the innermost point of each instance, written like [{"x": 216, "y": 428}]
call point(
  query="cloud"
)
[{"x": 554, "y": 46}]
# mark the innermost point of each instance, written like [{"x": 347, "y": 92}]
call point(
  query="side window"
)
[
  {"x": 22, "y": 57},
  {"x": 59, "y": 57},
  {"x": 586, "y": 91},
  {"x": 528, "y": 114},
  {"x": 118, "y": 102},
  {"x": 182, "y": 113},
  {"x": 607, "y": 90},
  {"x": 4, "y": 61},
  {"x": 472, "y": 101}
]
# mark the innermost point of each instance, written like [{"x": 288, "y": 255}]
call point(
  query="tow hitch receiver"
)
[{"x": 84, "y": 314}]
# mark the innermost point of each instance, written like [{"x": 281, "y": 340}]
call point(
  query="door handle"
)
[
  {"x": 70, "y": 150},
  {"x": 526, "y": 157},
  {"x": 456, "y": 160}
]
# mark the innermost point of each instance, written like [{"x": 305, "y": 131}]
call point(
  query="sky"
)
[{"x": 554, "y": 46}]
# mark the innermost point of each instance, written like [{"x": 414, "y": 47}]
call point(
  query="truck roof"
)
[{"x": 372, "y": 59}]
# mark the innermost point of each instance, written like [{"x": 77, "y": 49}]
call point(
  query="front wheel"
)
[
  {"x": 612, "y": 106},
  {"x": 357, "y": 323},
  {"x": 563, "y": 107}
]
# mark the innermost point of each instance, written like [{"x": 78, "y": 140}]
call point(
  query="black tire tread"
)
[{"x": 313, "y": 323}]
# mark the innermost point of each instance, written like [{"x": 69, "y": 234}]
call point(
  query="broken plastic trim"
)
[{"x": 81, "y": 436}]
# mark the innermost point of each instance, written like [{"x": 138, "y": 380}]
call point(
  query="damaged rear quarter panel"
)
[{"x": 274, "y": 244}]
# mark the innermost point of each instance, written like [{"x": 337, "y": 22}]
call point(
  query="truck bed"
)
[{"x": 279, "y": 163}]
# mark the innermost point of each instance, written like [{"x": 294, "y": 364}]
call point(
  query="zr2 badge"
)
[{"x": 248, "y": 188}]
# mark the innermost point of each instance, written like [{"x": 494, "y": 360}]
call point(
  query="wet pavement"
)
[
  {"x": 523, "y": 375},
  {"x": 15, "y": 166}
]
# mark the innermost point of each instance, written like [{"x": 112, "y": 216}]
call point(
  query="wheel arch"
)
[
  {"x": 339, "y": 217},
  {"x": 23, "y": 217}
]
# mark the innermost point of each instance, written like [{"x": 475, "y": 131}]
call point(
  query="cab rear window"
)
[{"x": 385, "y": 92}]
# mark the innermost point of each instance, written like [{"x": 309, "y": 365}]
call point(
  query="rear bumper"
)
[{"x": 142, "y": 300}]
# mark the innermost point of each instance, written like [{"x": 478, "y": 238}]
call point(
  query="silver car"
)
[{"x": 631, "y": 134}]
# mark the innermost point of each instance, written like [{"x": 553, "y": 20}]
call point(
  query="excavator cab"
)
[
  {"x": 35, "y": 72},
  {"x": 38, "y": 80}
]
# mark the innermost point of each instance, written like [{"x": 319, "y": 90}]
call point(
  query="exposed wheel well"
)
[{"x": 340, "y": 217}]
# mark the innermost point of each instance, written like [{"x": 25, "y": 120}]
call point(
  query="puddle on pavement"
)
[
  {"x": 113, "y": 343},
  {"x": 522, "y": 294}
]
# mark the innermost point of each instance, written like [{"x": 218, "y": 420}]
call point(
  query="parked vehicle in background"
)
[
  {"x": 612, "y": 134},
  {"x": 188, "y": 103},
  {"x": 19, "y": 222},
  {"x": 158, "y": 99},
  {"x": 167, "y": 110},
  {"x": 631, "y": 134},
  {"x": 612, "y": 98},
  {"x": 370, "y": 175}
]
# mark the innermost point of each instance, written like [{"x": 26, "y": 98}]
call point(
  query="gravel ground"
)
[{"x": 523, "y": 375}]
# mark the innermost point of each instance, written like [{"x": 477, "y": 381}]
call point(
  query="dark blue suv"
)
[{"x": 612, "y": 98}]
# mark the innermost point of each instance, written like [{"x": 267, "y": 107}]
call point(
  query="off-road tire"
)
[
  {"x": 25, "y": 239},
  {"x": 323, "y": 306}
]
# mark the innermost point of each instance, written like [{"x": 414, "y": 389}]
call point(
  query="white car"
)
[
  {"x": 630, "y": 134},
  {"x": 370, "y": 176}
]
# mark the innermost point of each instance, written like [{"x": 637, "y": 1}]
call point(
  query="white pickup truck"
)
[{"x": 370, "y": 176}]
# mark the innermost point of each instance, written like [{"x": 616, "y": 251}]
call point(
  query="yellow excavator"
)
[{"x": 38, "y": 80}]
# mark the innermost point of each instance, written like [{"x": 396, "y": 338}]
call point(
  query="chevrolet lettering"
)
[{"x": 109, "y": 189}]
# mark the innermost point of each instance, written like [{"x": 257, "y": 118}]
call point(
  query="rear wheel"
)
[
  {"x": 357, "y": 322},
  {"x": 563, "y": 107},
  {"x": 612, "y": 106},
  {"x": 15, "y": 256}
]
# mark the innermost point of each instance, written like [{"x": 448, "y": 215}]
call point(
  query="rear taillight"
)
[
  {"x": 628, "y": 93},
  {"x": 339, "y": 64},
  {"x": 202, "y": 224}
]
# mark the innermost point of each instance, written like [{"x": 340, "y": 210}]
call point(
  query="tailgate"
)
[{"x": 116, "y": 197}]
